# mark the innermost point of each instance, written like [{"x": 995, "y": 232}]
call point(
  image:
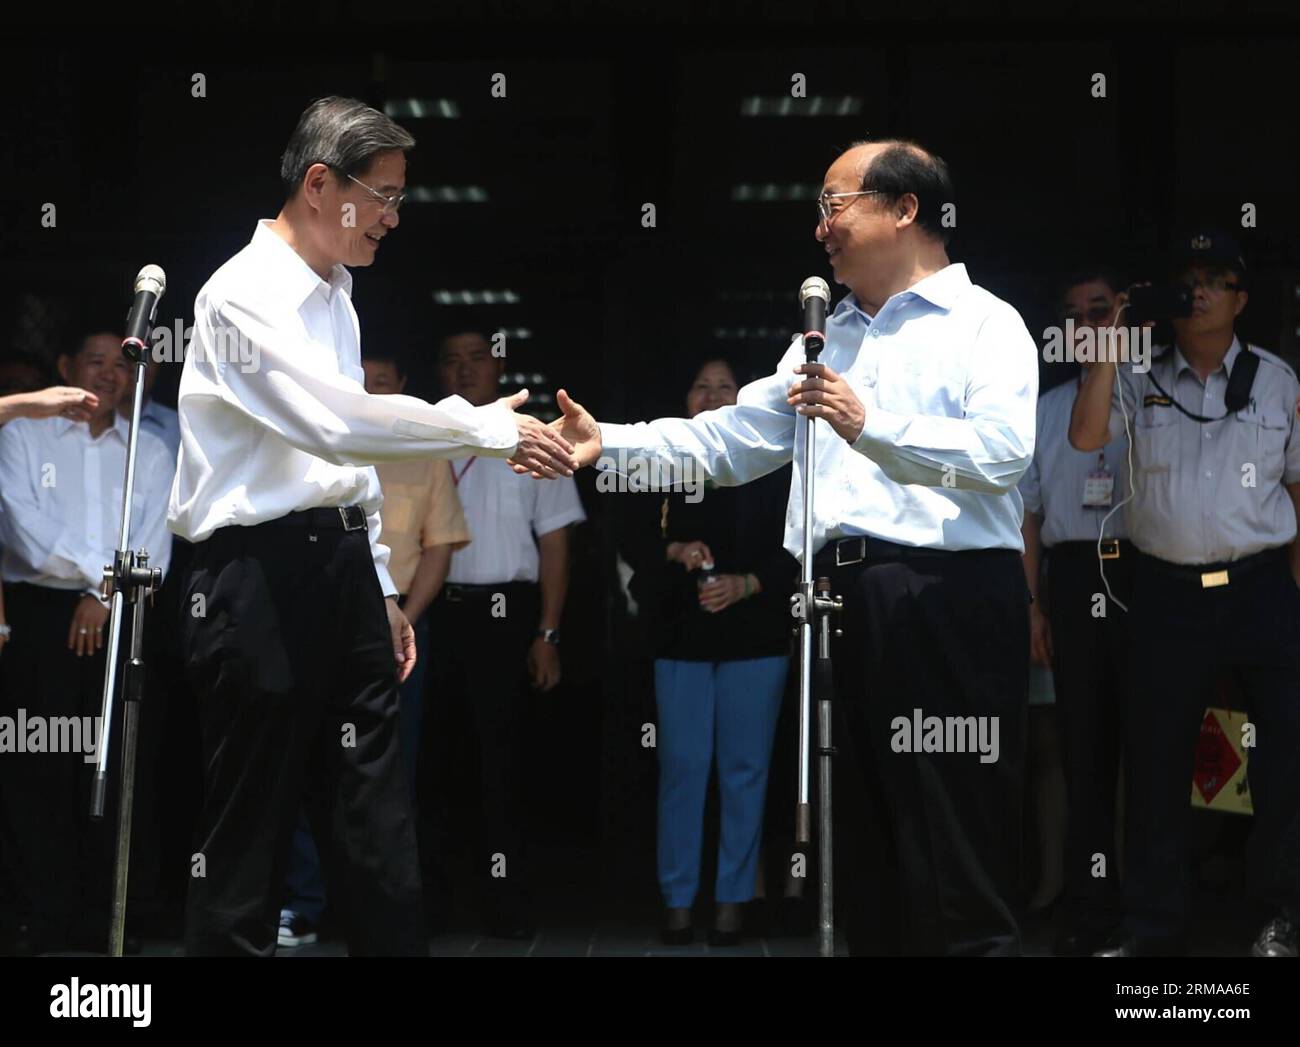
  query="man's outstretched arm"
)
[{"x": 730, "y": 445}]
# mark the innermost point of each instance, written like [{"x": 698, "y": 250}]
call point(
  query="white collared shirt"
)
[
  {"x": 948, "y": 376},
  {"x": 1053, "y": 486},
  {"x": 61, "y": 501},
  {"x": 505, "y": 511},
  {"x": 273, "y": 408},
  {"x": 163, "y": 422}
]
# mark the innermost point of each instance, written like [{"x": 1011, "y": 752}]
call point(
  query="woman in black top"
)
[{"x": 714, "y": 583}]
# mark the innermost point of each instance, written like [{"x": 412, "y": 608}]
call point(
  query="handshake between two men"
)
[{"x": 573, "y": 440}]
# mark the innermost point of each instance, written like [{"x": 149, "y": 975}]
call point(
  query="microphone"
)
[
  {"x": 149, "y": 287},
  {"x": 815, "y": 297}
]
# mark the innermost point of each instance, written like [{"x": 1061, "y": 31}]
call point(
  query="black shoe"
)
[
  {"x": 1081, "y": 941},
  {"x": 1133, "y": 945},
  {"x": 677, "y": 928},
  {"x": 677, "y": 935},
  {"x": 728, "y": 912},
  {"x": 1278, "y": 938}
]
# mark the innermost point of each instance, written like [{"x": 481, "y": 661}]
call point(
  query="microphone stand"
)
[
  {"x": 813, "y": 607},
  {"x": 130, "y": 579}
]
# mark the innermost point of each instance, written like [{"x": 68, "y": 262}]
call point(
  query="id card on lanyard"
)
[{"x": 1099, "y": 487}]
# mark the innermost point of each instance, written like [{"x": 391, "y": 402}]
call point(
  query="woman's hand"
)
[
  {"x": 690, "y": 555},
  {"x": 723, "y": 591}
]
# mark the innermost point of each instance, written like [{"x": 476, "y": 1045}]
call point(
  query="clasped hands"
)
[{"x": 823, "y": 393}]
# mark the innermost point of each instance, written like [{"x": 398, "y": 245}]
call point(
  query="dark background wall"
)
[{"x": 599, "y": 119}]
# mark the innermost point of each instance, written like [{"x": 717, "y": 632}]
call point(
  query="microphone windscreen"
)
[
  {"x": 814, "y": 287},
  {"x": 151, "y": 278}
]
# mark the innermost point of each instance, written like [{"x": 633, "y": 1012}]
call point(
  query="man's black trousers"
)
[
  {"x": 286, "y": 643},
  {"x": 933, "y": 838},
  {"x": 1089, "y": 671},
  {"x": 1184, "y": 636}
]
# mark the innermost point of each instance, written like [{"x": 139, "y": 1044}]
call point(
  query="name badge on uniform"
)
[{"x": 1099, "y": 489}]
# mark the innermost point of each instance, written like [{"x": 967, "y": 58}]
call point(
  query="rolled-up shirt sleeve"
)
[
  {"x": 301, "y": 395},
  {"x": 732, "y": 444},
  {"x": 991, "y": 446},
  {"x": 1126, "y": 396}
]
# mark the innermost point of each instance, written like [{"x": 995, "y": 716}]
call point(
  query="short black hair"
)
[
  {"x": 906, "y": 167},
  {"x": 342, "y": 133},
  {"x": 78, "y": 345},
  {"x": 479, "y": 327},
  {"x": 1087, "y": 273},
  {"x": 386, "y": 356}
]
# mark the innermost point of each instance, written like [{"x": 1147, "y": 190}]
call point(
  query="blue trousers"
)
[
  {"x": 304, "y": 881},
  {"x": 706, "y": 708}
]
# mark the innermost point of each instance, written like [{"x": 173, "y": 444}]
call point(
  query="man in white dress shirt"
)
[
  {"x": 60, "y": 511},
  {"x": 291, "y": 633},
  {"x": 495, "y": 632},
  {"x": 927, "y": 385}
]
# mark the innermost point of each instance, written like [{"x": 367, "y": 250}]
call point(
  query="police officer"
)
[
  {"x": 1074, "y": 521},
  {"x": 1216, "y": 458}
]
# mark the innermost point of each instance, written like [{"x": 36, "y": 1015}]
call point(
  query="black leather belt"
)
[
  {"x": 1214, "y": 575},
  {"x": 849, "y": 551},
  {"x": 459, "y": 592},
  {"x": 1111, "y": 549},
  {"x": 333, "y": 518}
]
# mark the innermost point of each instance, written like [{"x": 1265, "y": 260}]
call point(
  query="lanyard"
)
[{"x": 456, "y": 478}]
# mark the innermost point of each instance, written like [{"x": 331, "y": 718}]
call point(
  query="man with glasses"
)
[
  {"x": 1215, "y": 589},
  {"x": 1070, "y": 529},
  {"x": 291, "y": 634},
  {"x": 927, "y": 388}
]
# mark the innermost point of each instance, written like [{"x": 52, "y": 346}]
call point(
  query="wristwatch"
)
[
  {"x": 551, "y": 636},
  {"x": 6, "y": 631}
]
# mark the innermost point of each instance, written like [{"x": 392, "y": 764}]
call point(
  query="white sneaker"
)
[{"x": 294, "y": 931}]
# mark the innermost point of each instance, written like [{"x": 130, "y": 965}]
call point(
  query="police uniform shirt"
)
[
  {"x": 948, "y": 376},
  {"x": 61, "y": 500},
  {"x": 1212, "y": 492},
  {"x": 504, "y": 511},
  {"x": 1053, "y": 485}
]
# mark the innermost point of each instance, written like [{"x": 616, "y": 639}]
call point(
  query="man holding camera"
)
[{"x": 1216, "y": 468}]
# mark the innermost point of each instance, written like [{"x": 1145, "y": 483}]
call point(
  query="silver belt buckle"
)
[
  {"x": 846, "y": 543},
  {"x": 353, "y": 518}
]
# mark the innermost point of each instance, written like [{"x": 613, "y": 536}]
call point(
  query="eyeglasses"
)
[
  {"x": 392, "y": 204},
  {"x": 824, "y": 211},
  {"x": 1094, "y": 314},
  {"x": 1218, "y": 282}
]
